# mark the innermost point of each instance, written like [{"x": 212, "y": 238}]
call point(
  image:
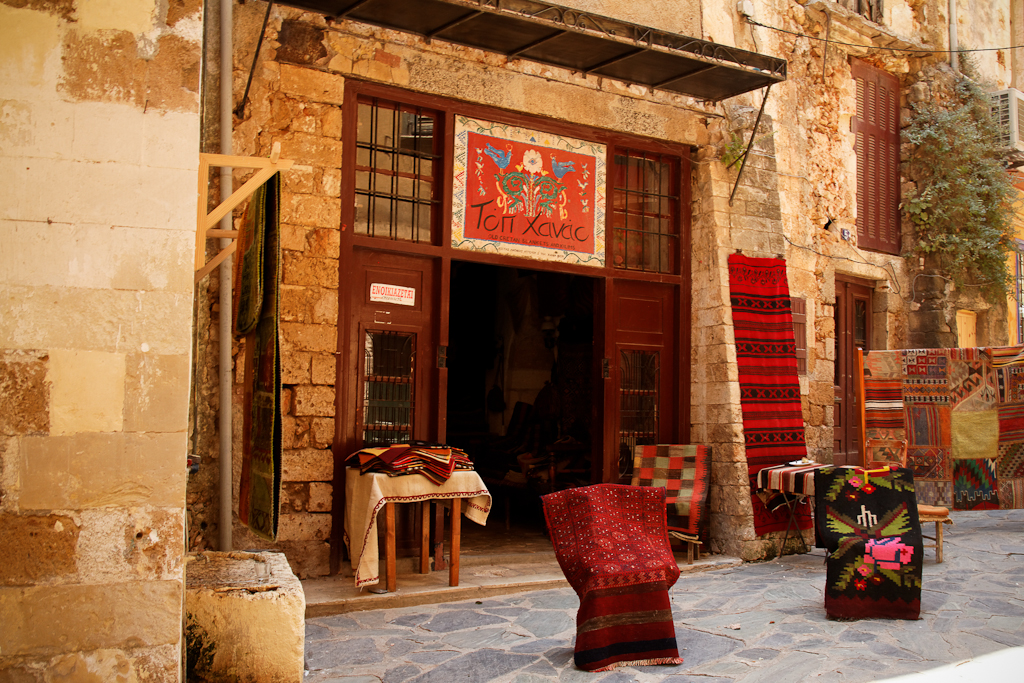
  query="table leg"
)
[
  {"x": 389, "y": 546},
  {"x": 424, "y": 537},
  {"x": 453, "y": 567},
  {"x": 938, "y": 542},
  {"x": 439, "y": 562}
]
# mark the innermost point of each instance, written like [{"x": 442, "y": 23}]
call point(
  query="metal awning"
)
[{"x": 580, "y": 41}]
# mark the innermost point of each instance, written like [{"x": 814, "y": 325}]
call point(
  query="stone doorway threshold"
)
[{"x": 492, "y": 562}]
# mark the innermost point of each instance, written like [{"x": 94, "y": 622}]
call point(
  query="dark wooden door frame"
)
[
  {"x": 440, "y": 251},
  {"x": 849, "y": 290}
]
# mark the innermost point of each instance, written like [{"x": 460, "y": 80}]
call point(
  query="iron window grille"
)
[
  {"x": 388, "y": 390},
  {"x": 396, "y": 171},
  {"x": 645, "y": 213},
  {"x": 639, "y": 394}
]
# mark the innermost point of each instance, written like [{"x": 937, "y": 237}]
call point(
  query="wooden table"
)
[{"x": 367, "y": 494}]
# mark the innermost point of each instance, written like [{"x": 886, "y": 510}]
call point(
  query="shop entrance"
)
[{"x": 521, "y": 375}]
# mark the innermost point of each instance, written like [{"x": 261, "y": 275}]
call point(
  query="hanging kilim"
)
[
  {"x": 773, "y": 423},
  {"x": 961, "y": 412},
  {"x": 867, "y": 521},
  {"x": 612, "y": 544},
  {"x": 257, "y": 284}
]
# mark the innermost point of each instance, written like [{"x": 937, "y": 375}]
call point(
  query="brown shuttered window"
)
[
  {"x": 877, "y": 129},
  {"x": 799, "y": 309}
]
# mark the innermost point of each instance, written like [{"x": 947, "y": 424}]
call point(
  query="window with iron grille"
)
[
  {"x": 645, "y": 211},
  {"x": 397, "y": 165},
  {"x": 388, "y": 389},
  {"x": 877, "y": 147},
  {"x": 639, "y": 394}
]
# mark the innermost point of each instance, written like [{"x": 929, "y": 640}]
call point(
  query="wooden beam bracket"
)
[{"x": 205, "y": 221}]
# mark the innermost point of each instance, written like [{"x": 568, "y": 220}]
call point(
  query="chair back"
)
[{"x": 684, "y": 471}]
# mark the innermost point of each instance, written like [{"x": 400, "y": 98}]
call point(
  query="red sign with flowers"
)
[{"x": 528, "y": 193}]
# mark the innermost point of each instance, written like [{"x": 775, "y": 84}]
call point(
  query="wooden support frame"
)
[{"x": 205, "y": 221}]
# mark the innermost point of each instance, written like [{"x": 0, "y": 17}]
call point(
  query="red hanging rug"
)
[{"x": 773, "y": 424}]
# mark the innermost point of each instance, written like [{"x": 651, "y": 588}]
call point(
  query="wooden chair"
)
[
  {"x": 880, "y": 452},
  {"x": 684, "y": 471}
]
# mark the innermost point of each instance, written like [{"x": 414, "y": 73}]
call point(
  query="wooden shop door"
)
[
  {"x": 388, "y": 376},
  {"x": 640, "y": 372},
  {"x": 853, "y": 330}
]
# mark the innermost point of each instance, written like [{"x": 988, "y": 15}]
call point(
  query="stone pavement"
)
[{"x": 751, "y": 623}]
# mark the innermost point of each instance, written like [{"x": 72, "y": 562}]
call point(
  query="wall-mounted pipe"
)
[
  {"x": 954, "y": 46},
  {"x": 225, "y": 316}
]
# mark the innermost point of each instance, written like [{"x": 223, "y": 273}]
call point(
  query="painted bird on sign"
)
[
  {"x": 559, "y": 168},
  {"x": 502, "y": 159}
]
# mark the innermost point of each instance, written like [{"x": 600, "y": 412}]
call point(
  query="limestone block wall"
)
[{"x": 98, "y": 147}]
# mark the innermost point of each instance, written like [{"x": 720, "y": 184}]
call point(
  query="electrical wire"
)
[
  {"x": 888, "y": 266},
  {"x": 890, "y": 49}
]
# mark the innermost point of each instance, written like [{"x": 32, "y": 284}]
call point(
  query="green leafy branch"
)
[{"x": 964, "y": 203}]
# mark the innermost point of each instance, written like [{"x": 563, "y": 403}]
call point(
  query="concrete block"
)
[
  {"x": 245, "y": 618},
  {"x": 156, "y": 393},
  {"x": 304, "y": 527},
  {"x": 95, "y": 320},
  {"x": 55, "y": 619},
  {"x": 87, "y": 391},
  {"x": 314, "y": 401},
  {"x": 320, "y": 338},
  {"x": 100, "y": 469},
  {"x": 40, "y": 548},
  {"x": 318, "y": 86},
  {"x": 95, "y": 257},
  {"x": 24, "y": 393},
  {"x": 309, "y": 464},
  {"x": 118, "y": 544}
]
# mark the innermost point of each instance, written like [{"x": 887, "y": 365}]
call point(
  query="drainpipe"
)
[
  {"x": 225, "y": 317},
  {"x": 954, "y": 47}
]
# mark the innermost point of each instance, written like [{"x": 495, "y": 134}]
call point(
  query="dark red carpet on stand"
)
[
  {"x": 612, "y": 544},
  {"x": 773, "y": 424}
]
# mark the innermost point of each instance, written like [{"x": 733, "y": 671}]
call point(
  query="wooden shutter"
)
[
  {"x": 799, "y": 309},
  {"x": 877, "y": 129}
]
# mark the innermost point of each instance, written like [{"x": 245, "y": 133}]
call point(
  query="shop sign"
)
[
  {"x": 392, "y": 294},
  {"x": 526, "y": 193}
]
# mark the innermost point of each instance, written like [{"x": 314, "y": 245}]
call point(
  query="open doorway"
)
[{"x": 521, "y": 371}]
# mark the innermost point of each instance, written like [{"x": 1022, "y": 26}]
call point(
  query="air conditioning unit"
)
[{"x": 1007, "y": 108}]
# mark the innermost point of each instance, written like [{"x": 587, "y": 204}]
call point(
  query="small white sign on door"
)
[{"x": 392, "y": 294}]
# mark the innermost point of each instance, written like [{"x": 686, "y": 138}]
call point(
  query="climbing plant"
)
[{"x": 964, "y": 200}]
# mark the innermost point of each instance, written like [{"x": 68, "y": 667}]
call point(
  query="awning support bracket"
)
[
  {"x": 205, "y": 221},
  {"x": 753, "y": 136}
]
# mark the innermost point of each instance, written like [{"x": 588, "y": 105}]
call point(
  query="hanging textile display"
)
[
  {"x": 612, "y": 544},
  {"x": 257, "y": 317},
  {"x": 773, "y": 423},
  {"x": 868, "y": 522},
  {"x": 961, "y": 414}
]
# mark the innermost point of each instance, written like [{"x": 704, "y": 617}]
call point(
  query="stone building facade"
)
[
  {"x": 796, "y": 198},
  {"x": 99, "y": 132},
  {"x": 100, "y": 124}
]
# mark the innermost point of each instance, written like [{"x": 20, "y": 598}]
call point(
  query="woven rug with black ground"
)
[
  {"x": 773, "y": 423},
  {"x": 257, "y": 316},
  {"x": 867, "y": 520},
  {"x": 611, "y": 542}
]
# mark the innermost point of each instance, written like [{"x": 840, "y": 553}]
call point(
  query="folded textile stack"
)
[{"x": 436, "y": 462}]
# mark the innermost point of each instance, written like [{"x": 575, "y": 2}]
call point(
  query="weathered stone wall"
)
[
  {"x": 98, "y": 140},
  {"x": 801, "y": 175}
]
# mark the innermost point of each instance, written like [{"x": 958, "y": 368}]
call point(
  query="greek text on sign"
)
[{"x": 392, "y": 294}]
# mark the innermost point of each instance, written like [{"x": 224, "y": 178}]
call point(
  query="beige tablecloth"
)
[{"x": 366, "y": 495}]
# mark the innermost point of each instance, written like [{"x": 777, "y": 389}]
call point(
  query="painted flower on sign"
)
[{"x": 532, "y": 162}]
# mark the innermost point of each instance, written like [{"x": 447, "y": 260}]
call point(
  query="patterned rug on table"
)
[
  {"x": 612, "y": 544},
  {"x": 773, "y": 424}
]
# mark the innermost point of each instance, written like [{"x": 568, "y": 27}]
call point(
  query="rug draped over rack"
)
[
  {"x": 612, "y": 544},
  {"x": 257, "y": 317},
  {"x": 961, "y": 414},
  {"x": 773, "y": 424}
]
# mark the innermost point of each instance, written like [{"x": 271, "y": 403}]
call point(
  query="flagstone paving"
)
[{"x": 754, "y": 623}]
